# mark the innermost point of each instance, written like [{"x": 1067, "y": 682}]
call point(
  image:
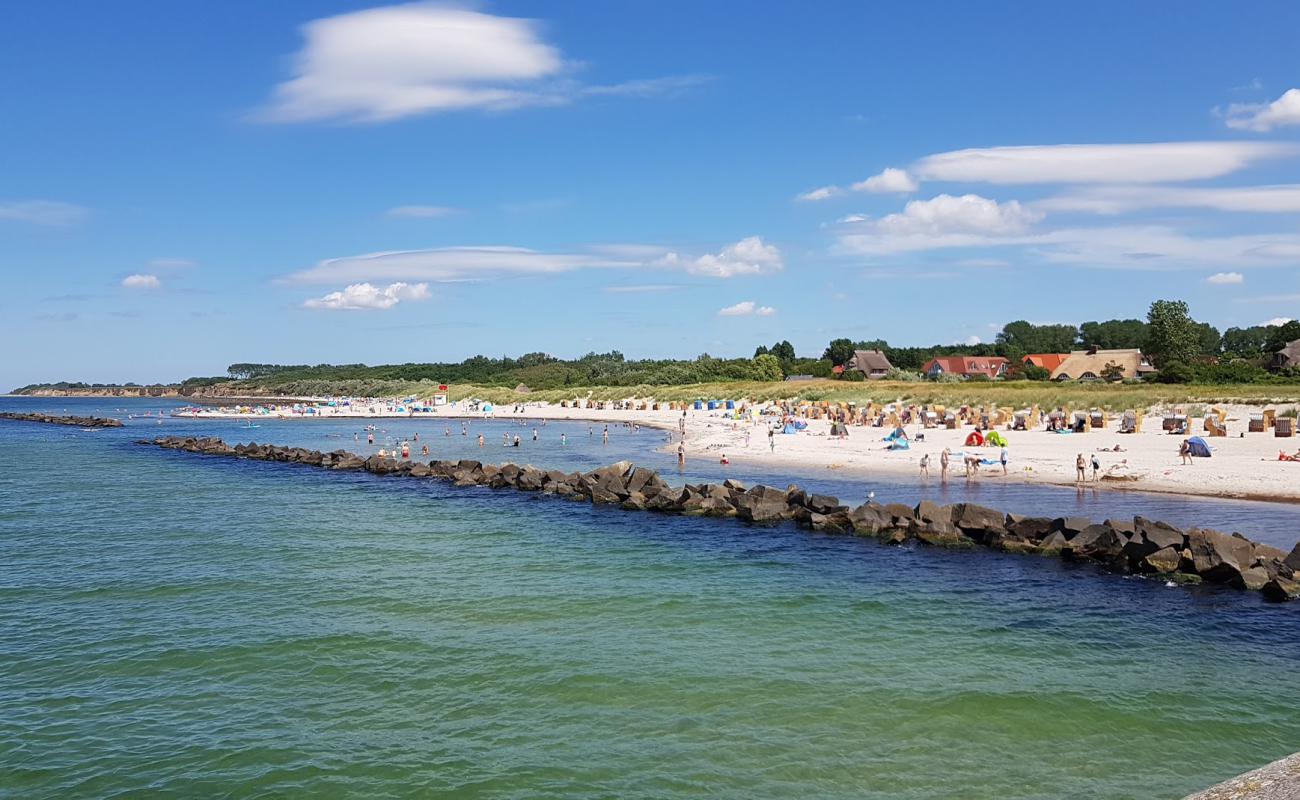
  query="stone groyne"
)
[
  {"x": 49, "y": 419},
  {"x": 1136, "y": 546},
  {"x": 1277, "y": 781}
]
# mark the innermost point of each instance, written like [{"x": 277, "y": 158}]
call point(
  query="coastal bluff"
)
[
  {"x": 1138, "y": 546},
  {"x": 50, "y": 419}
]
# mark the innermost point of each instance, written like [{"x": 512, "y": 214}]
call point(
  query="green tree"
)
[
  {"x": 784, "y": 351},
  {"x": 1112, "y": 371},
  {"x": 839, "y": 351},
  {"x": 766, "y": 367},
  {"x": 761, "y": 350},
  {"x": 1245, "y": 342},
  {"x": 1023, "y": 337},
  {"x": 1281, "y": 335},
  {"x": 1114, "y": 334},
  {"x": 1208, "y": 338},
  {"x": 1172, "y": 335}
]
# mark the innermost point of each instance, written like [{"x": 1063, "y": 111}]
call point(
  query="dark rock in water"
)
[
  {"x": 900, "y": 515},
  {"x": 420, "y": 471},
  {"x": 50, "y": 419},
  {"x": 1218, "y": 557},
  {"x": 734, "y": 484},
  {"x": 834, "y": 522},
  {"x": 972, "y": 517},
  {"x": 1032, "y": 529},
  {"x": 930, "y": 511},
  {"x": 1252, "y": 579},
  {"x": 1164, "y": 560},
  {"x": 1280, "y": 589},
  {"x": 1053, "y": 543},
  {"x": 1158, "y": 534},
  {"x": 1293, "y": 560},
  {"x": 761, "y": 507},
  {"x": 1070, "y": 526},
  {"x": 869, "y": 519},
  {"x": 941, "y": 534},
  {"x": 823, "y": 504},
  {"x": 1124, "y": 527}
]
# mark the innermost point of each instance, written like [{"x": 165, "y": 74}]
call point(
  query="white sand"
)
[{"x": 1239, "y": 467}]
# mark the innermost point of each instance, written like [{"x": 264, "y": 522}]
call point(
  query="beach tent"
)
[
  {"x": 1199, "y": 448},
  {"x": 975, "y": 439},
  {"x": 996, "y": 439}
]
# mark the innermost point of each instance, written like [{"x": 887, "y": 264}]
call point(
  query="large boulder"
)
[
  {"x": 941, "y": 534},
  {"x": 930, "y": 511},
  {"x": 1218, "y": 557},
  {"x": 834, "y": 522},
  {"x": 530, "y": 479},
  {"x": 823, "y": 504},
  {"x": 1161, "y": 561},
  {"x": 1053, "y": 543},
  {"x": 1070, "y": 526},
  {"x": 870, "y": 519},
  {"x": 1293, "y": 560},
  {"x": 1030, "y": 529},
  {"x": 760, "y": 508},
  {"x": 1280, "y": 590}
]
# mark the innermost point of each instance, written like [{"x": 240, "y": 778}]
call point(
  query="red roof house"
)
[{"x": 965, "y": 366}]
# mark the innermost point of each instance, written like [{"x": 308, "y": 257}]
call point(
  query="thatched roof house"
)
[
  {"x": 1288, "y": 357},
  {"x": 871, "y": 363},
  {"x": 1091, "y": 365}
]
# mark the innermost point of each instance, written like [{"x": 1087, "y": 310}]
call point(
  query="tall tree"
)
[
  {"x": 1245, "y": 342},
  {"x": 1172, "y": 335},
  {"x": 783, "y": 350},
  {"x": 1281, "y": 335},
  {"x": 1208, "y": 338},
  {"x": 839, "y": 351},
  {"x": 1114, "y": 334},
  {"x": 1025, "y": 337}
]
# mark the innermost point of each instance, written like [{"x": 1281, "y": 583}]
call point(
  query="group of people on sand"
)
[{"x": 972, "y": 463}]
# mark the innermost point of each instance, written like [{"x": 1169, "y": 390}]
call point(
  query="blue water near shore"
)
[{"x": 173, "y": 625}]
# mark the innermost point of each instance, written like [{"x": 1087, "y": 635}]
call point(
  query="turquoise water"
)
[{"x": 177, "y": 626}]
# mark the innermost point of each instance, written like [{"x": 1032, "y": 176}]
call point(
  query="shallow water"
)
[{"x": 173, "y": 625}]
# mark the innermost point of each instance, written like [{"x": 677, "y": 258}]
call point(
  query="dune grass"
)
[{"x": 1017, "y": 394}]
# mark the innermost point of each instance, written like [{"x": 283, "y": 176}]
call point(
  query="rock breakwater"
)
[
  {"x": 1137, "y": 546},
  {"x": 50, "y": 419}
]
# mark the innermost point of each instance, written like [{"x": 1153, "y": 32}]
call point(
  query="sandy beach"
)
[{"x": 1239, "y": 467}]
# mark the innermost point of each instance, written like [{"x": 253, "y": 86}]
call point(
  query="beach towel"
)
[
  {"x": 900, "y": 444},
  {"x": 996, "y": 439}
]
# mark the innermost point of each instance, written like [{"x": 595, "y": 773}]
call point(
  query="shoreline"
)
[{"x": 1242, "y": 467}]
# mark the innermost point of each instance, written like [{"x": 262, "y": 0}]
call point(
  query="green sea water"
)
[{"x": 177, "y": 626}]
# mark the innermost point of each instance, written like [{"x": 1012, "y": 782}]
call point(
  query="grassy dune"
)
[{"x": 1018, "y": 394}]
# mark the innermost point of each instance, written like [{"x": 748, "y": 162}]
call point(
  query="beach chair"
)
[
  {"x": 950, "y": 422},
  {"x": 1214, "y": 426},
  {"x": 1284, "y": 427},
  {"x": 1097, "y": 418}
]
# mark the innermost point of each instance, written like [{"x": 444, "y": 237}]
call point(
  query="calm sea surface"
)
[{"x": 179, "y": 626}]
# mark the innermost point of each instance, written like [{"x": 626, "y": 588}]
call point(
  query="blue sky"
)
[{"x": 184, "y": 186}]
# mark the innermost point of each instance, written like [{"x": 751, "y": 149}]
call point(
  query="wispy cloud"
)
[
  {"x": 820, "y": 193},
  {"x": 891, "y": 180},
  {"x": 420, "y": 212},
  {"x": 367, "y": 297},
  {"x": 1282, "y": 198},
  {"x": 746, "y": 308},
  {"x": 1226, "y": 279},
  {"x": 1099, "y": 163},
  {"x": 1263, "y": 117},
  {"x": 42, "y": 212},
  {"x": 398, "y": 61}
]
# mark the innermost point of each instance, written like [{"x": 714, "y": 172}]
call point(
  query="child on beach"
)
[
  {"x": 1003, "y": 457},
  {"x": 925, "y": 465}
]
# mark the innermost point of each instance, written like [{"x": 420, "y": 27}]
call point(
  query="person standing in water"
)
[
  {"x": 1080, "y": 469},
  {"x": 605, "y": 436},
  {"x": 564, "y": 439},
  {"x": 681, "y": 452},
  {"x": 480, "y": 440},
  {"x": 945, "y": 461},
  {"x": 925, "y": 465}
]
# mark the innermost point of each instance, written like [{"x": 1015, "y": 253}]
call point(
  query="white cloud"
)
[
  {"x": 970, "y": 341},
  {"x": 139, "y": 281},
  {"x": 365, "y": 296},
  {"x": 1226, "y": 278},
  {"x": 821, "y": 193},
  {"x": 1262, "y": 117},
  {"x": 888, "y": 180},
  {"x": 1099, "y": 163},
  {"x": 398, "y": 61},
  {"x": 42, "y": 212},
  {"x": 452, "y": 264},
  {"x": 746, "y": 308},
  {"x": 749, "y": 256},
  {"x": 967, "y": 214},
  {"x": 420, "y": 212},
  {"x": 1276, "y": 322},
  {"x": 1122, "y": 199}
]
